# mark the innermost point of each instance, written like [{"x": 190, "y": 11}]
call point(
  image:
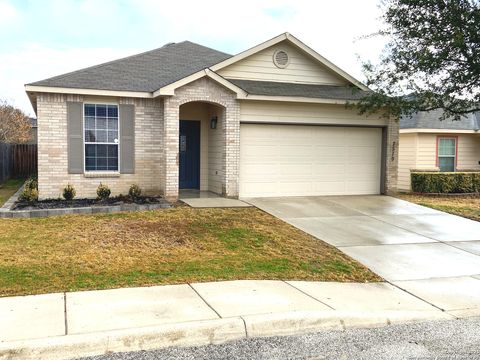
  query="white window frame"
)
[
  {"x": 440, "y": 138},
  {"x": 102, "y": 143}
]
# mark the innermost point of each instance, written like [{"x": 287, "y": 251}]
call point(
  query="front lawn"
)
[
  {"x": 468, "y": 206},
  {"x": 177, "y": 245},
  {"x": 8, "y": 188}
]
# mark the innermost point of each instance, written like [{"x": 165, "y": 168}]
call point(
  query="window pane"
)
[
  {"x": 90, "y": 163},
  {"x": 101, "y": 110},
  {"x": 102, "y": 164},
  {"x": 112, "y": 135},
  {"x": 112, "y": 124},
  {"x": 90, "y": 150},
  {"x": 446, "y": 147},
  {"x": 101, "y": 123},
  {"x": 89, "y": 110},
  {"x": 89, "y": 136},
  {"x": 112, "y": 151},
  {"x": 112, "y": 164},
  {"x": 101, "y": 135},
  {"x": 446, "y": 163},
  {"x": 112, "y": 111},
  {"x": 101, "y": 150},
  {"x": 90, "y": 123}
]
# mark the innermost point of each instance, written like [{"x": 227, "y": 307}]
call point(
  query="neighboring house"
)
[
  {"x": 270, "y": 121},
  {"x": 33, "y": 131},
  {"x": 430, "y": 144}
]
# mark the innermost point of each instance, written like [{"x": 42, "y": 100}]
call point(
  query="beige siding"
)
[
  {"x": 286, "y": 112},
  {"x": 301, "y": 69},
  {"x": 468, "y": 152},
  {"x": 424, "y": 154},
  {"x": 407, "y": 152}
]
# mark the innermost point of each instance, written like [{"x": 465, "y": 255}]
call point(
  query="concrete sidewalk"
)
[{"x": 70, "y": 325}]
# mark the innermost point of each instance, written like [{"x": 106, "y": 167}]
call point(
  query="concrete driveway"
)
[{"x": 427, "y": 252}]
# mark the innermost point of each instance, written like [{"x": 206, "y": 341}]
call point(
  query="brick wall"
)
[
  {"x": 228, "y": 134},
  {"x": 53, "y": 173},
  {"x": 392, "y": 156}
]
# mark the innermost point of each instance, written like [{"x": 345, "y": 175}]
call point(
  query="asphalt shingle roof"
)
[
  {"x": 145, "y": 72},
  {"x": 271, "y": 88},
  {"x": 430, "y": 120}
]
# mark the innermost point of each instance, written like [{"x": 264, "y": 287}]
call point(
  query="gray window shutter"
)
[
  {"x": 75, "y": 137},
  {"x": 127, "y": 139}
]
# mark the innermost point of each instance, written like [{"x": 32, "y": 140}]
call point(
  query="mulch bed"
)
[{"x": 78, "y": 203}]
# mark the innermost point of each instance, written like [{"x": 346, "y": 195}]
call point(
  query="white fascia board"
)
[
  {"x": 439, "y": 131},
  {"x": 60, "y": 90},
  {"x": 169, "y": 90}
]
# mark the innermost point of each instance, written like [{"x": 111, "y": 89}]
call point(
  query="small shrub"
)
[
  {"x": 30, "y": 190},
  {"x": 445, "y": 183},
  {"x": 69, "y": 192},
  {"x": 103, "y": 192},
  {"x": 29, "y": 194},
  {"x": 134, "y": 192}
]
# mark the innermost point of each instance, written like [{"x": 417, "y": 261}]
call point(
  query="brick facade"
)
[
  {"x": 53, "y": 173},
  {"x": 157, "y": 145}
]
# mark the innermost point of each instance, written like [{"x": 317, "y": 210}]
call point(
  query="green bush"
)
[
  {"x": 69, "y": 192},
  {"x": 446, "y": 182},
  {"x": 103, "y": 192},
  {"x": 30, "y": 190},
  {"x": 135, "y": 191}
]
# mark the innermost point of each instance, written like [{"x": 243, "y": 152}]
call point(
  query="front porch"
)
[
  {"x": 201, "y": 141},
  {"x": 208, "y": 199}
]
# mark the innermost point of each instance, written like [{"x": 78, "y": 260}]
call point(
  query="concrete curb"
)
[
  {"x": 205, "y": 332},
  {"x": 74, "y": 346}
]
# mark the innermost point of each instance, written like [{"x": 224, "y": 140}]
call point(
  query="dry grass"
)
[
  {"x": 466, "y": 206},
  {"x": 162, "y": 247},
  {"x": 9, "y": 188}
]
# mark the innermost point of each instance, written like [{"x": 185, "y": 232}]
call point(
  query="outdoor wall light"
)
[{"x": 213, "y": 122}]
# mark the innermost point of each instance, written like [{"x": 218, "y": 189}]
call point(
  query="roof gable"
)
[
  {"x": 145, "y": 72},
  {"x": 301, "y": 68}
]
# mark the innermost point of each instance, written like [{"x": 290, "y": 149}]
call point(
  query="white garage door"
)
[{"x": 294, "y": 160}]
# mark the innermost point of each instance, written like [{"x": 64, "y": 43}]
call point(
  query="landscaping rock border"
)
[{"x": 7, "y": 212}]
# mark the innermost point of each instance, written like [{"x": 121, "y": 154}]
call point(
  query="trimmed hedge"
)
[{"x": 446, "y": 182}]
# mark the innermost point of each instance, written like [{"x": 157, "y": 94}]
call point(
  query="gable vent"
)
[{"x": 281, "y": 59}]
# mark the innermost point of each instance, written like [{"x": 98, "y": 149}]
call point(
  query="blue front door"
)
[{"x": 189, "y": 147}]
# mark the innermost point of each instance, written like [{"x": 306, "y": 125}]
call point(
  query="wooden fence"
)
[
  {"x": 24, "y": 160},
  {"x": 5, "y": 162}
]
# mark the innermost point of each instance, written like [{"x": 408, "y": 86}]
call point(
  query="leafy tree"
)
[
  {"x": 431, "y": 61},
  {"x": 14, "y": 124}
]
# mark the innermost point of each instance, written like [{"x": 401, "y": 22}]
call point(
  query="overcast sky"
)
[{"x": 40, "y": 39}]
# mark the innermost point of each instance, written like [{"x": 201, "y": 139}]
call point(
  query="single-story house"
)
[
  {"x": 430, "y": 144},
  {"x": 269, "y": 121}
]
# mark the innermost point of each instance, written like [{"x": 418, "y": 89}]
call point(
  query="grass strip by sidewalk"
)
[
  {"x": 466, "y": 206},
  {"x": 8, "y": 188},
  {"x": 171, "y": 246}
]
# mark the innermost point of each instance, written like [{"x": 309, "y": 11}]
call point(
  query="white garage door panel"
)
[{"x": 291, "y": 160}]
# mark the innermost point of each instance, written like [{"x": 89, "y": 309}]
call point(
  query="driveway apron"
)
[{"x": 418, "y": 249}]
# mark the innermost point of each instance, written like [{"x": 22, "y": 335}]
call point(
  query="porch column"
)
[
  {"x": 232, "y": 149},
  {"x": 170, "y": 146}
]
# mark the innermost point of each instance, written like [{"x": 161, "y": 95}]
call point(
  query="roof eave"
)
[{"x": 82, "y": 91}]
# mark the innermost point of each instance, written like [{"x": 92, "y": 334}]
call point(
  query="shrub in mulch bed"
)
[{"x": 76, "y": 203}]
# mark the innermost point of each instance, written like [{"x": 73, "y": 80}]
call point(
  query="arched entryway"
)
[{"x": 201, "y": 146}]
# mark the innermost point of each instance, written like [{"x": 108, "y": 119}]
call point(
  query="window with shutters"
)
[{"x": 101, "y": 137}]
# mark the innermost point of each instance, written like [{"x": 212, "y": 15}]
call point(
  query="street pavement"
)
[{"x": 439, "y": 340}]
